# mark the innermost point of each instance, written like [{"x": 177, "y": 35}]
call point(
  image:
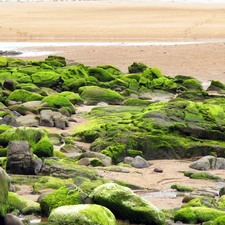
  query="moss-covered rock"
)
[
  {"x": 3, "y": 193},
  {"x": 43, "y": 148},
  {"x": 100, "y": 74},
  {"x": 25, "y": 206},
  {"x": 60, "y": 197},
  {"x": 94, "y": 95},
  {"x": 33, "y": 135},
  {"x": 202, "y": 176},
  {"x": 73, "y": 97},
  {"x": 127, "y": 205},
  {"x": 181, "y": 188},
  {"x": 216, "y": 85},
  {"x": 58, "y": 101},
  {"x": 3, "y": 61},
  {"x": 137, "y": 67},
  {"x": 136, "y": 102},
  {"x": 194, "y": 215},
  {"x": 50, "y": 182},
  {"x": 24, "y": 96},
  {"x": 45, "y": 78},
  {"x": 83, "y": 214},
  {"x": 219, "y": 221}
]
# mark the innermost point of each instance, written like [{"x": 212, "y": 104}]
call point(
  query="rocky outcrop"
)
[
  {"x": 21, "y": 160},
  {"x": 208, "y": 163},
  {"x": 125, "y": 204},
  {"x": 49, "y": 118},
  {"x": 87, "y": 214}
]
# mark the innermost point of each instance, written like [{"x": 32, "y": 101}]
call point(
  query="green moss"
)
[
  {"x": 25, "y": 206},
  {"x": 93, "y": 95},
  {"x": 73, "y": 84},
  {"x": 127, "y": 205},
  {"x": 24, "y": 96},
  {"x": 194, "y": 215},
  {"x": 50, "y": 182},
  {"x": 137, "y": 67},
  {"x": 219, "y": 221},
  {"x": 73, "y": 97},
  {"x": 87, "y": 186},
  {"x": 58, "y": 101},
  {"x": 43, "y": 148},
  {"x": 3, "y": 194},
  {"x": 202, "y": 176},
  {"x": 60, "y": 197},
  {"x": 88, "y": 214},
  {"x": 136, "y": 102},
  {"x": 32, "y": 135},
  {"x": 134, "y": 153},
  {"x": 3, "y": 61},
  {"x": 181, "y": 188},
  {"x": 28, "y": 69},
  {"x": 216, "y": 85},
  {"x": 100, "y": 74},
  {"x": 116, "y": 152},
  {"x": 3, "y": 152},
  {"x": 45, "y": 78},
  {"x": 88, "y": 135},
  {"x": 96, "y": 162}
]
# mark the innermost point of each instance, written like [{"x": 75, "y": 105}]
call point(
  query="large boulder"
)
[
  {"x": 139, "y": 162},
  {"x": 126, "y": 205},
  {"x": 49, "y": 118},
  {"x": 88, "y": 214},
  {"x": 194, "y": 215},
  {"x": 3, "y": 193},
  {"x": 208, "y": 163},
  {"x": 20, "y": 159},
  {"x": 28, "y": 121},
  {"x": 62, "y": 196}
]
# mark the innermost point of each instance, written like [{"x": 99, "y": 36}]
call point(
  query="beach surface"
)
[{"x": 179, "y": 37}]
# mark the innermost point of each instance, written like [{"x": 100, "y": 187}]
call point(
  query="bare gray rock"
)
[{"x": 139, "y": 162}]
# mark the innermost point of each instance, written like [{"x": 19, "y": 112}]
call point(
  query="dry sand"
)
[{"x": 123, "y": 21}]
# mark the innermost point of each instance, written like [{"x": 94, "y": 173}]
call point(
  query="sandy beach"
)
[
  {"x": 200, "y": 27},
  {"x": 202, "y": 23}
]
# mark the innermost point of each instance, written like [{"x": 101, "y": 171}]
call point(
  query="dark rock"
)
[
  {"x": 9, "y": 120},
  {"x": 20, "y": 158},
  {"x": 222, "y": 191},
  {"x": 158, "y": 170},
  {"x": 7, "y": 53},
  {"x": 9, "y": 84}
]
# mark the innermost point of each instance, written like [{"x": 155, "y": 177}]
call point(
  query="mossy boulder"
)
[
  {"x": 3, "y": 61},
  {"x": 192, "y": 84},
  {"x": 62, "y": 196},
  {"x": 116, "y": 152},
  {"x": 45, "y": 78},
  {"x": 50, "y": 182},
  {"x": 3, "y": 192},
  {"x": 100, "y": 74},
  {"x": 181, "y": 188},
  {"x": 216, "y": 85},
  {"x": 58, "y": 101},
  {"x": 219, "y": 221},
  {"x": 208, "y": 202},
  {"x": 24, "y": 96},
  {"x": 93, "y": 95},
  {"x": 73, "y": 97},
  {"x": 88, "y": 214},
  {"x": 43, "y": 148},
  {"x": 25, "y": 206},
  {"x": 126, "y": 205},
  {"x": 37, "y": 139},
  {"x": 137, "y": 67},
  {"x": 202, "y": 176},
  {"x": 28, "y": 69},
  {"x": 136, "y": 102},
  {"x": 194, "y": 215}
]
